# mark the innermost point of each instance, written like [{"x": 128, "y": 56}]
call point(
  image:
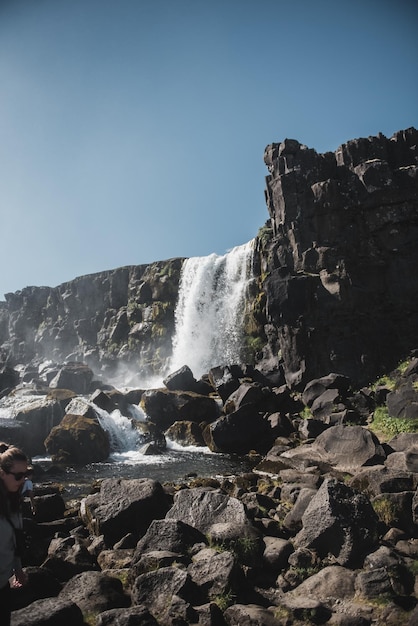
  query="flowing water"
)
[
  {"x": 208, "y": 332},
  {"x": 210, "y": 310}
]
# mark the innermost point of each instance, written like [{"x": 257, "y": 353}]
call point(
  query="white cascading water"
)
[
  {"x": 210, "y": 310},
  {"x": 208, "y": 332}
]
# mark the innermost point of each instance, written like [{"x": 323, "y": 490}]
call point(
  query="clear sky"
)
[{"x": 133, "y": 131}]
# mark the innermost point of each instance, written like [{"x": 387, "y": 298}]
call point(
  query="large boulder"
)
[
  {"x": 122, "y": 507},
  {"x": 318, "y": 386},
  {"x": 74, "y": 376},
  {"x": 345, "y": 448},
  {"x": 67, "y": 556},
  {"x": 41, "y": 584},
  {"x": 183, "y": 380},
  {"x": 48, "y": 611},
  {"x": 339, "y": 521},
  {"x": 78, "y": 439},
  {"x": 186, "y": 433},
  {"x": 213, "y": 513},
  {"x": 164, "y": 407},
  {"x": 403, "y": 401},
  {"x": 9, "y": 378},
  {"x": 126, "y": 617},
  {"x": 95, "y": 592},
  {"x": 168, "y": 535},
  {"x": 216, "y": 573},
  {"x": 36, "y": 412},
  {"x": 166, "y": 591},
  {"x": 239, "y": 432}
]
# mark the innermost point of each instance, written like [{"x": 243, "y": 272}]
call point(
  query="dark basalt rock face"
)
[
  {"x": 335, "y": 287},
  {"x": 119, "y": 316},
  {"x": 340, "y": 286}
]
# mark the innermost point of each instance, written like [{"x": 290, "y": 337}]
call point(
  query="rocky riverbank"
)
[{"x": 323, "y": 530}]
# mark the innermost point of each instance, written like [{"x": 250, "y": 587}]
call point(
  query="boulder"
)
[
  {"x": 330, "y": 585},
  {"x": 41, "y": 584},
  {"x": 164, "y": 407},
  {"x": 239, "y": 432},
  {"x": 12, "y": 432},
  {"x": 181, "y": 380},
  {"x": 48, "y": 611},
  {"x": 293, "y": 520},
  {"x": 325, "y": 405},
  {"x": 395, "y": 509},
  {"x": 403, "y": 441},
  {"x": 276, "y": 553},
  {"x": 247, "y": 393},
  {"x": 37, "y": 413},
  {"x": 49, "y": 507},
  {"x": 346, "y": 448},
  {"x": 9, "y": 378},
  {"x": 316, "y": 387},
  {"x": 185, "y": 433},
  {"x": 250, "y": 615},
  {"x": 150, "y": 434},
  {"x": 74, "y": 376},
  {"x": 78, "y": 439},
  {"x": 402, "y": 402},
  {"x": 213, "y": 513},
  {"x": 66, "y": 557},
  {"x": 225, "y": 379},
  {"x": 126, "y": 617},
  {"x": 373, "y": 481},
  {"x": 123, "y": 506},
  {"x": 159, "y": 590},
  {"x": 404, "y": 461},
  {"x": 115, "y": 559},
  {"x": 95, "y": 592},
  {"x": 170, "y": 535},
  {"x": 215, "y": 573},
  {"x": 339, "y": 521},
  {"x": 350, "y": 446}
]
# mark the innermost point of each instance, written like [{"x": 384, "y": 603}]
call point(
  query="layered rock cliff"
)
[
  {"x": 113, "y": 319},
  {"x": 336, "y": 288},
  {"x": 340, "y": 266}
]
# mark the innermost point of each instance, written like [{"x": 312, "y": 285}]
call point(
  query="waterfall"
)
[{"x": 210, "y": 310}]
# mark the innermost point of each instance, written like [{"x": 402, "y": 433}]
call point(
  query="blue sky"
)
[{"x": 133, "y": 131}]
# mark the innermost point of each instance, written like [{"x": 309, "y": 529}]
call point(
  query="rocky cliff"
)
[
  {"x": 109, "y": 319},
  {"x": 339, "y": 264},
  {"x": 336, "y": 289}
]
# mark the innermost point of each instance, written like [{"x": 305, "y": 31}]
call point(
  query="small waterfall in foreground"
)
[{"x": 210, "y": 310}]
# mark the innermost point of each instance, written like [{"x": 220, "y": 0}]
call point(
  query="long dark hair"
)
[{"x": 8, "y": 456}]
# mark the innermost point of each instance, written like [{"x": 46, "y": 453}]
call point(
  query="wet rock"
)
[
  {"x": 185, "y": 433},
  {"x": 78, "y": 439},
  {"x": 164, "y": 407},
  {"x": 74, "y": 376}
]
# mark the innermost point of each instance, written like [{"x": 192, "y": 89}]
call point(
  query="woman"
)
[{"x": 13, "y": 468}]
